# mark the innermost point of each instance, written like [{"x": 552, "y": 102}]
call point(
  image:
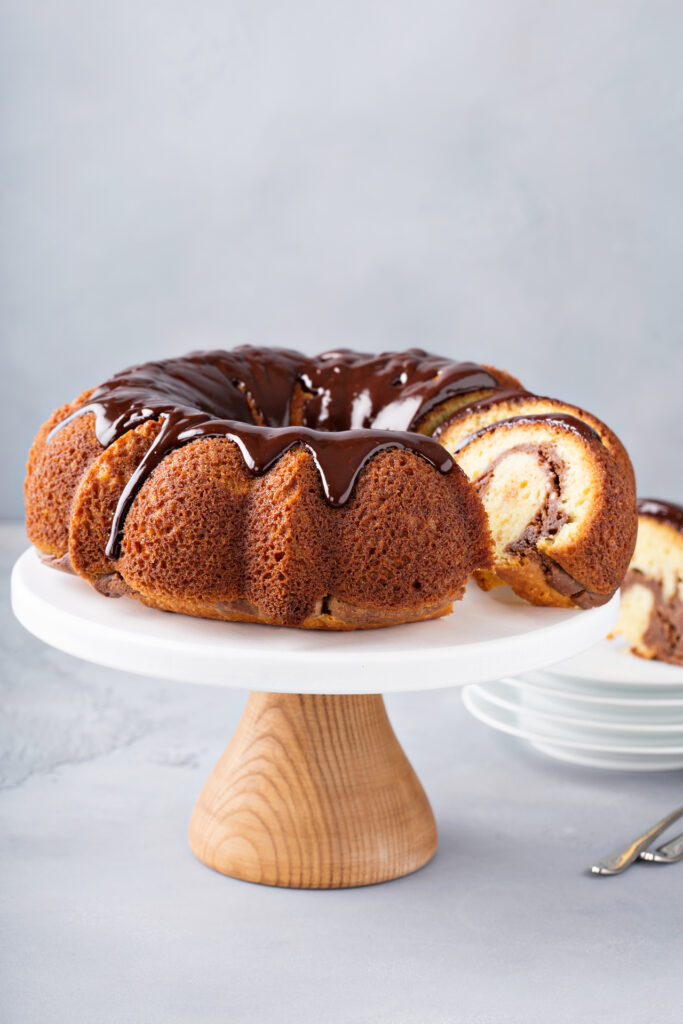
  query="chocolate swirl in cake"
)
[
  {"x": 352, "y": 406},
  {"x": 549, "y": 518}
]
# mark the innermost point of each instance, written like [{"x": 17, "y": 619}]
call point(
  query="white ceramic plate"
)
[
  {"x": 615, "y": 753},
  {"x": 532, "y": 706},
  {"x": 614, "y": 762},
  {"x": 628, "y": 720},
  {"x": 488, "y": 635},
  {"x": 610, "y": 664},
  {"x": 599, "y": 695}
]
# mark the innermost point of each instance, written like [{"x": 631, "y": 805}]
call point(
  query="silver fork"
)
[
  {"x": 667, "y": 853},
  {"x": 622, "y": 859}
]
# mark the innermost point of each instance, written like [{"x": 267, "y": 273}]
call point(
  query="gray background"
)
[
  {"x": 496, "y": 180},
  {"x": 499, "y": 181}
]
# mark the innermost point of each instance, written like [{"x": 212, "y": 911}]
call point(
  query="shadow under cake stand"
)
[{"x": 314, "y": 790}]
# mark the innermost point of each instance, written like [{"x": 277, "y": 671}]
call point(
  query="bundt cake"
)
[
  {"x": 651, "y": 612},
  {"x": 559, "y": 492},
  {"x": 263, "y": 485}
]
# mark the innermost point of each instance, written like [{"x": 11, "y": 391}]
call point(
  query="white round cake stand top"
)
[{"x": 486, "y": 637}]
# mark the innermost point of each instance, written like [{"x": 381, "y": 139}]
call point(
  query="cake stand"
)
[{"x": 314, "y": 790}]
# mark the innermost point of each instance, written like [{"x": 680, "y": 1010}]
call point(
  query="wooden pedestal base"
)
[{"x": 313, "y": 792}]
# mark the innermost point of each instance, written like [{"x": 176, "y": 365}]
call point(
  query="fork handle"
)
[{"x": 619, "y": 861}]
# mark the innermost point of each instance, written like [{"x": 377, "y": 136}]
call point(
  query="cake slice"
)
[
  {"x": 651, "y": 613},
  {"x": 559, "y": 493}
]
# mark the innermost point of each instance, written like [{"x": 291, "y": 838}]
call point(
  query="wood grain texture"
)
[{"x": 313, "y": 792}]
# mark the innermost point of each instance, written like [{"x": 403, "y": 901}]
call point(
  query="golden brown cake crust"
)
[
  {"x": 53, "y": 472},
  {"x": 206, "y": 538}
]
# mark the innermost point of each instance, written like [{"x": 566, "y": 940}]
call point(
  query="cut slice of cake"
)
[
  {"x": 559, "y": 492},
  {"x": 651, "y": 613}
]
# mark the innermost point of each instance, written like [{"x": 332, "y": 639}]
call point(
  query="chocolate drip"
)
[
  {"x": 339, "y": 456},
  {"x": 572, "y": 423},
  {"x": 351, "y": 406},
  {"x": 665, "y": 511},
  {"x": 208, "y": 383}
]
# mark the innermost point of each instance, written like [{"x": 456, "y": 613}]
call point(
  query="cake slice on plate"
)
[{"x": 651, "y": 614}]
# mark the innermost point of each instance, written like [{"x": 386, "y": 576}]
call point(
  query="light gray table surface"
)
[{"x": 107, "y": 917}]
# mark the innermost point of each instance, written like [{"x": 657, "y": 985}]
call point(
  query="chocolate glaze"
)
[
  {"x": 352, "y": 405},
  {"x": 392, "y": 391},
  {"x": 499, "y": 396},
  {"x": 562, "y": 419},
  {"x": 664, "y": 511}
]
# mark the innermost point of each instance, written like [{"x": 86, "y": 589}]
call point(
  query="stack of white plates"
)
[{"x": 604, "y": 708}]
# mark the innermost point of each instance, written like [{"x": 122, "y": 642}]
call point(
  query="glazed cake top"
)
[
  {"x": 340, "y": 390},
  {"x": 350, "y": 406}
]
